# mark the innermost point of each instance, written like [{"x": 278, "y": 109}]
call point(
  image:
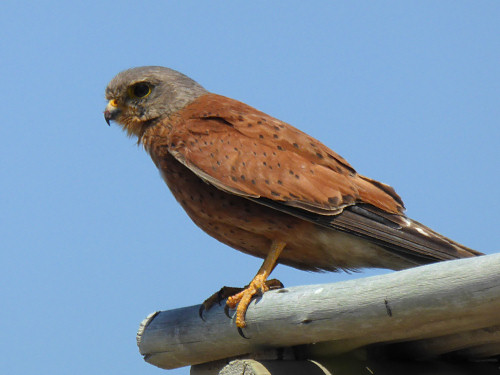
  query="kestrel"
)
[{"x": 264, "y": 187}]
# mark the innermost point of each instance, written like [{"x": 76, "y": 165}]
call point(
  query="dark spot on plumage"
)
[
  {"x": 205, "y": 143},
  {"x": 274, "y": 153},
  {"x": 213, "y": 168},
  {"x": 270, "y": 167},
  {"x": 226, "y": 156},
  {"x": 234, "y": 178},
  {"x": 172, "y": 144},
  {"x": 276, "y": 128},
  {"x": 313, "y": 144},
  {"x": 297, "y": 177},
  {"x": 280, "y": 182},
  {"x": 211, "y": 143},
  {"x": 319, "y": 155},
  {"x": 347, "y": 198},
  {"x": 211, "y": 154},
  {"x": 279, "y": 165},
  {"x": 242, "y": 177},
  {"x": 240, "y": 118},
  {"x": 265, "y": 154},
  {"x": 293, "y": 196},
  {"x": 249, "y": 125},
  {"x": 295, "y": 145},
  {"x": 236, "y": 149},
  {"x": 275, "y": 193},
  {"x": 253, "y": 182},
  {"x": 310, "y": 170},
  {"x": 279, "y": 148},
  {"x": 259, "y": 122},
  {"x": 275, "y": 136},
  {"x": 338, "y": 169},
  {"x": 291, "y": 172},
  {"x": 243, "y": 163},
  {"x": 191, "y": 197},
  {"x": 333, "y": 200},
  {"x": 255, "y": 153},
  {"x": 351, "y": 174},
  {"x": 218, "y": 162},
  {"x": 266, "y": 181},
  {"x": 261, "y": 136},
  {"x": 264, "y": 163},
  {"x": 233, "y": 168}
]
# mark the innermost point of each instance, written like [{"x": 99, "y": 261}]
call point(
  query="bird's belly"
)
[{"x": 251, "y": 227}]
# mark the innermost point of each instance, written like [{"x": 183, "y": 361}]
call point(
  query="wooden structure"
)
[{"x": 443, "y": 315}]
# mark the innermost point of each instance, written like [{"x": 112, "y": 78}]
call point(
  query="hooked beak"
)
[{"x": 111, "y": 111}]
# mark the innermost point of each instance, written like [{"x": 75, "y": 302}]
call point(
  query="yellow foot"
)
[
  {"x": 241, "y": 300},
  {"x": 232, "y": 292}
]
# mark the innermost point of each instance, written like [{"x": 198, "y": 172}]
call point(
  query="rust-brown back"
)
[{"x": 247, "y": 152}]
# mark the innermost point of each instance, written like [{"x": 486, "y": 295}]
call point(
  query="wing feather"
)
[{"x": 246, "y": 152}]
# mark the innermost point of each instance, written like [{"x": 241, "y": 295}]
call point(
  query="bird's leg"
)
[
  {"x": 228, "y": 291},
  {"x": 243, "y": 298}
]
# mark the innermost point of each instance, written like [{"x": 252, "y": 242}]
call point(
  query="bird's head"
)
[{"x": 138, "y": 97}]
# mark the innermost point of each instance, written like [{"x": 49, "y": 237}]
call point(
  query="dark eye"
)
[{"x": 139, "y": 90}]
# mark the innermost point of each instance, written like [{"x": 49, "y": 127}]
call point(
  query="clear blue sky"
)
[{"x": 91, "y": 239}]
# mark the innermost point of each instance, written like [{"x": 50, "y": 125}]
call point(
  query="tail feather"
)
[{"x": 398, "y": 234}]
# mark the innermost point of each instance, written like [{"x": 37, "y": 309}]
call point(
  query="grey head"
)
[{"x": 138, "y": 97}]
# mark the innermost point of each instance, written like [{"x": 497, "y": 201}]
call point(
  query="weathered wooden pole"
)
[{"x": 416, "y": 304}]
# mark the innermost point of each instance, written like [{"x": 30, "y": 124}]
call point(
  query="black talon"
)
[
  {"x": 240, "y": 331},
  {"x": 226, "y": 311},
  {"x": 200, "y": 312}
]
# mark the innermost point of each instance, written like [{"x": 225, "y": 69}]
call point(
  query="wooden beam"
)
[
  {"x": 345, "y": 365},
  {"x": 420, "y": 303},
  {"x": 253, "y": 367}
]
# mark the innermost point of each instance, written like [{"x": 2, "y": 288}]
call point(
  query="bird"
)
[{"x": 265, "y": 188}]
